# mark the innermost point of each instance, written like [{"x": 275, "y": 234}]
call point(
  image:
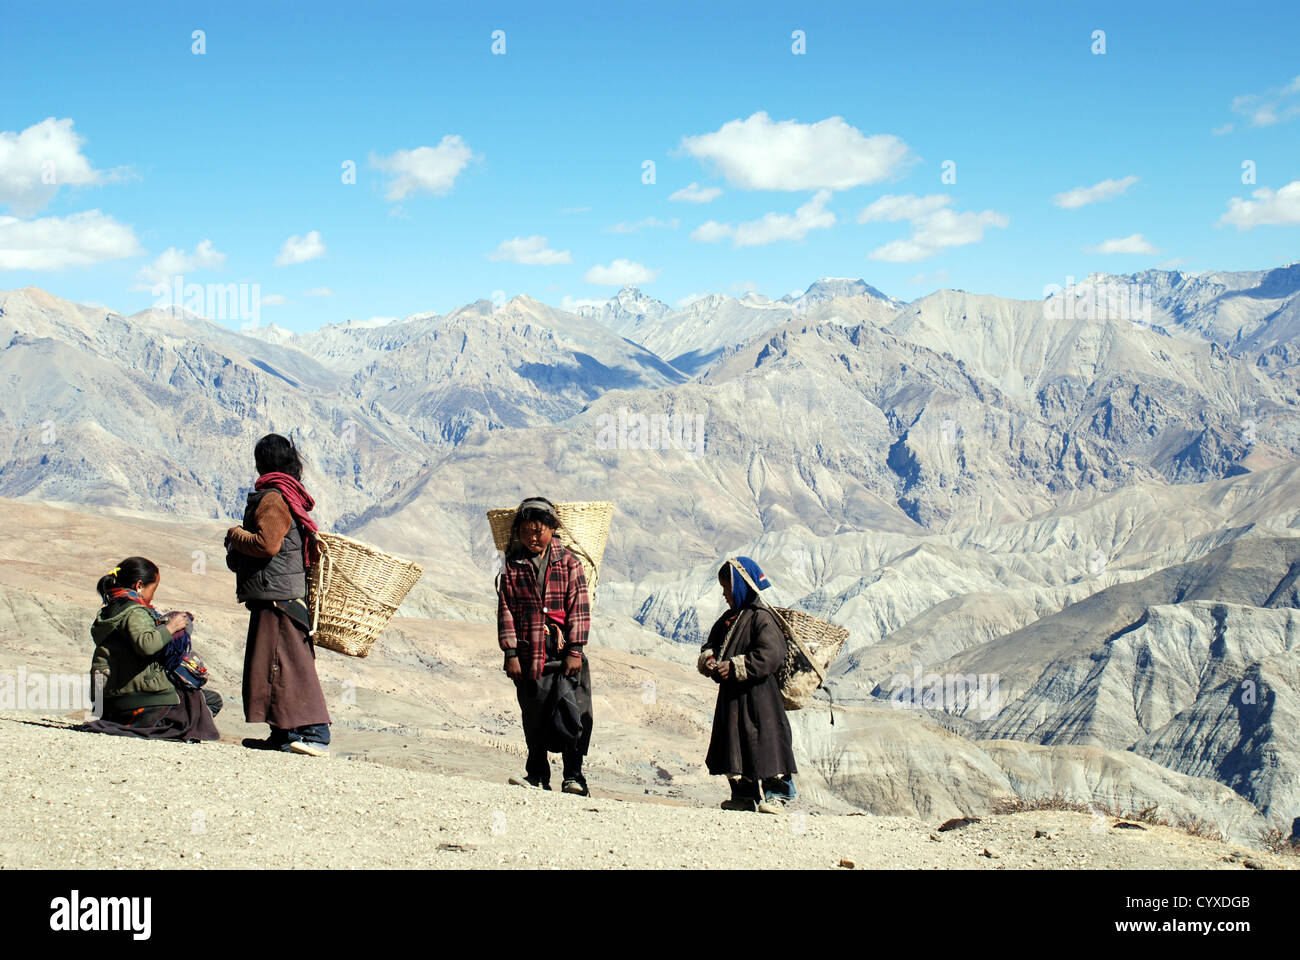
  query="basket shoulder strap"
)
[
  {"x": 725, "y": 647},
  {"x": 785, "y": 626},
  {"x": 325, "y": 567},
  {"x": 577, "y": 548}
]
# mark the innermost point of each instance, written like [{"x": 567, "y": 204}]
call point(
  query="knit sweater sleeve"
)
[
  {"x": 577, "y": 608},
  {"x": 272, "y": 520},
  {"x": 147, "y": 637},
  {"x": 506, "y": 638}
]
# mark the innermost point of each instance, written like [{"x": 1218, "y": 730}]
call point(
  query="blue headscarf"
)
[{"x": 739, "y": 588}]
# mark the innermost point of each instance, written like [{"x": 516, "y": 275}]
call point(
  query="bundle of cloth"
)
[{"x": 183, "y": 665}]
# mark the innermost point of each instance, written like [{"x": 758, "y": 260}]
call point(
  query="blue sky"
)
[{"x": 221, "y": 158}]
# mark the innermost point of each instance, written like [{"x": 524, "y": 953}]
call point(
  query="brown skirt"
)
[
  {"x": 280, "y": 683},
  {"x": 191, "y": 719}
]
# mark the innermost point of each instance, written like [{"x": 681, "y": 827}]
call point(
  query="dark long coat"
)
[{"x": 751, "y": 735}]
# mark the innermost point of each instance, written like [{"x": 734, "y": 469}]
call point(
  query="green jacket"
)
[{"x": 127, "y": 642}]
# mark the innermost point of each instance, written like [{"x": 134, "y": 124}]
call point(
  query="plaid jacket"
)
[{"x": 522, "y": 612}]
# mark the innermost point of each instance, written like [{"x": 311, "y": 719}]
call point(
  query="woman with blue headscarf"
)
[{"x": 751, "y": 742}]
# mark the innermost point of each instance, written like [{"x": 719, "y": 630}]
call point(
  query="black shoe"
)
[
  {"x": 739, "y": 803},
  {"x": 575, "y": 786},
  {"x": 278, "y": 740}
]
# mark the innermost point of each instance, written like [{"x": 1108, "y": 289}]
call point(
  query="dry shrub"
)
[
  {"x": 1189, "y": 823},
  {"x": 1276, "y": 840}
]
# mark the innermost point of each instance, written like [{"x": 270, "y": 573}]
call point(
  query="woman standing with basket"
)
[
  {"x": 751, "y": 742},
  {"x": 270, "y": 553}
]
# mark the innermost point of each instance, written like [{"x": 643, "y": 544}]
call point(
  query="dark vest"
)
[{"x": 281, "y": 577}]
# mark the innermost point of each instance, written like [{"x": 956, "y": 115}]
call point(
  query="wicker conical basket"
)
[
  {"x": 584, "y": 528},
  {"x": 811, "y": 645},
  {"x": 817, "y": 640},
  {"x": 353, "y": 591}
]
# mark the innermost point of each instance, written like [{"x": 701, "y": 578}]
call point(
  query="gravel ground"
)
[{"x": 76, "y": 800}]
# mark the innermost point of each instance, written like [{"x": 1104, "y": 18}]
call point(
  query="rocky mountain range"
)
[
  {"x": 705, "y": 328},
  {"x": 1098, "y": 508}
]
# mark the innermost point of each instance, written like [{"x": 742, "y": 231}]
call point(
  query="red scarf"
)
[
  {"x": 300, "y": 504},
  {"x": 117, "y": 593}
]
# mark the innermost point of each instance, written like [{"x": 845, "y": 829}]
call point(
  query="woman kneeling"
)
[{"x": 139, "y": 697}]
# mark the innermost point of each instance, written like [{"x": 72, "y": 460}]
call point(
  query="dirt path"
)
[{"x": 71, "y": 799}]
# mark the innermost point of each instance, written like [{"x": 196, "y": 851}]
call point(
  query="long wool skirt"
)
[
  {"x": 280, "y": 683},
  {"x": 191, "y": 719}
]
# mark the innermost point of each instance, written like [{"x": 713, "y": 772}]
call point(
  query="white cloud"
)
[
  {"x": 46, "y": 151},
  {"x": 1133, "y": 243},
  {"x": 1082, "y": 196},
  {"x": 1226, "y": 128},
  {"x": 694, "y": 193},
  {"x": 759, "y": 154},
  {"x": 907, "y": 207},
  {"x": 626, "y": 227},
  {"x": 173, "y": 262},
  {"x": 573, "y": 303},
  {"x": 530, "y": 250},
  {"x": 273, "y": 300},
  {"x": 771, "y": 227},
  {"x": 901, "y": 251},
  {"x": 934, "y": 226},
  {"x": 301, "y": 249},
  {"x": 1276, "y": 105},
  {"x": 429, "y": 169},
  {"x": 710, "y": 231},
  {"x": 574, "y": 209},
  {"x": 53, "y": 243},
  {"x": 1271, "y": 208},
  {"x": 620, "y": 273},
  {"x": 947, "y": 228},
  {"x": 318, "y": 292}
]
